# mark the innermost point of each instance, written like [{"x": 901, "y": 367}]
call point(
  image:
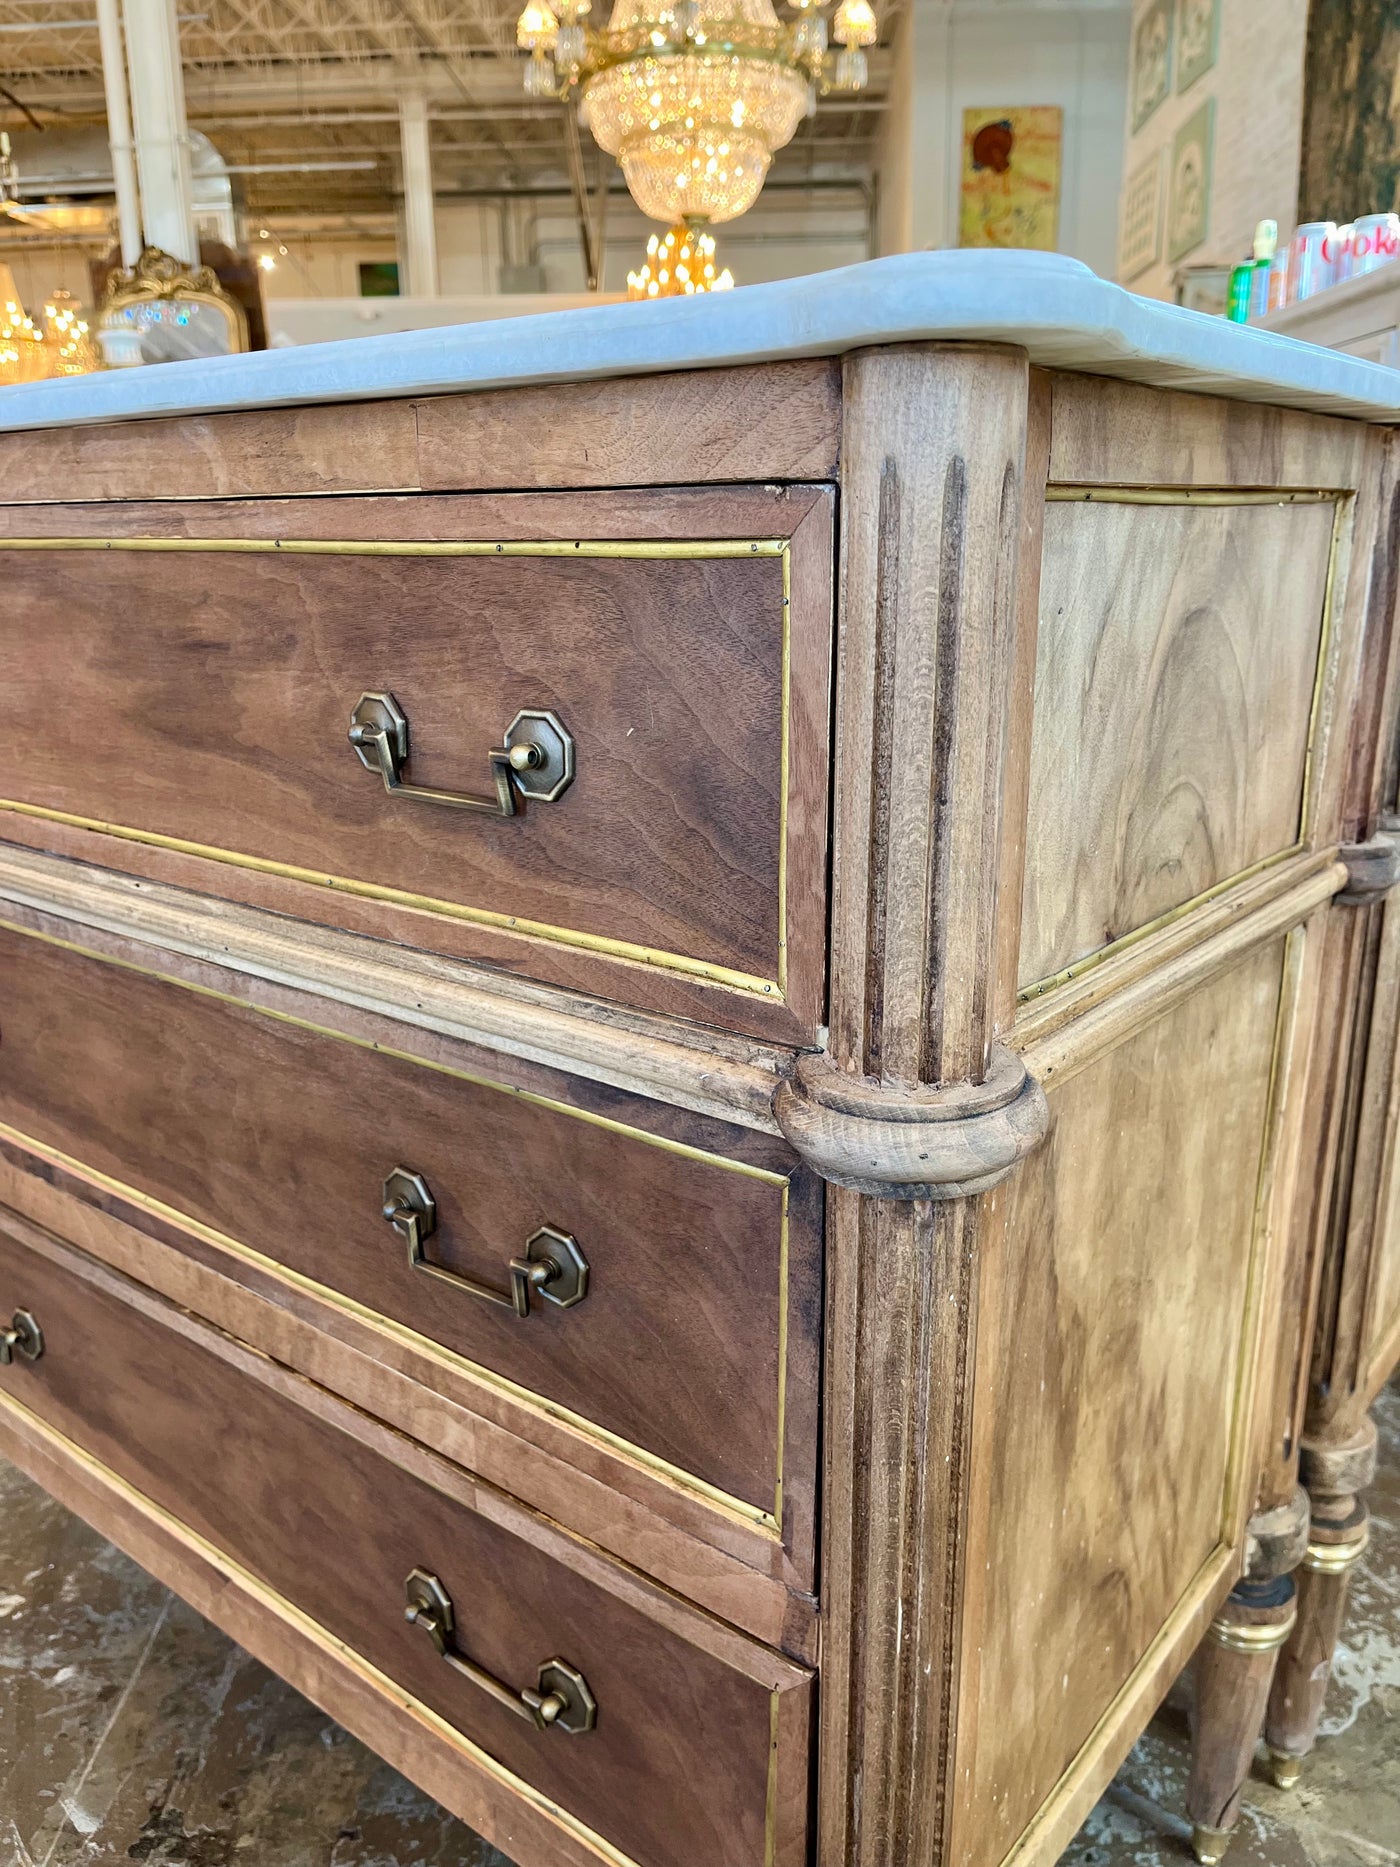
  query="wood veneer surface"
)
[
  {"x": 690, "y": 845},
  {"x": 678, "y": 1766},
  {"x": 280, "y": 1137},
  {"x": 1178, "y": 655}
]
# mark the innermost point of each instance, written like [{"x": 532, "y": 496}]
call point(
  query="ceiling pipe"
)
[{"x": 109, "y": 32}]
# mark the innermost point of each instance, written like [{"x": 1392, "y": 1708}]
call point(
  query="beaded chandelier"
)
[{"x": 694, "y": 96}]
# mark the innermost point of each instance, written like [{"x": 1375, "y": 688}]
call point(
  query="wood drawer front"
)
[
  {"x": 699, "y": 1748},
  {"x": 1178, "y": 660},
  {"x": 189, "y": 679},
  {"x": 696, "y": 1344}
]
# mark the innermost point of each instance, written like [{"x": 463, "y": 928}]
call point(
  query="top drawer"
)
[{"x": 187, "y": 676}]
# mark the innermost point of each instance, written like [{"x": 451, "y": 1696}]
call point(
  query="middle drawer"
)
[{"x": 689, "y": 1286}]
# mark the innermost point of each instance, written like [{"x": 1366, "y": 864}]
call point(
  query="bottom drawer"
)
[{"x": 669, "y": 1736}]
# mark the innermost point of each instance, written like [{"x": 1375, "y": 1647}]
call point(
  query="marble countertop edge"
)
[{"x": 1060, "y": 312}]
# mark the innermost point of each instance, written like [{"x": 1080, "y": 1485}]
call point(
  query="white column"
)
[
  {"x": 162, "y": 136},
  {"x": 109, "y": 33},
  {"x": 917, "y": 136},
  {"x": 420, "y": 228}
]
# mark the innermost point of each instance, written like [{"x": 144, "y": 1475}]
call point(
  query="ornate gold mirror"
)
[{"x": 160, "y": 311}]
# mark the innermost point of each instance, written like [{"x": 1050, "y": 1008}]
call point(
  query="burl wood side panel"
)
[
  {"x": 1176, "y": 666},
  {"x": 199, "y": 702},
  {"x": 284, "y": 1480},
  {"x": 1118, "y": 1319},
  {"x": 703, "y": 1307}
]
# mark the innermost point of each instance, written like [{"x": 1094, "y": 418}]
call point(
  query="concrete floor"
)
[{"x": 131, "y": 1731}]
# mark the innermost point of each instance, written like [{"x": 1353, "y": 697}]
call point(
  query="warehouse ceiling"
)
[{"x": 299, "y": 96}]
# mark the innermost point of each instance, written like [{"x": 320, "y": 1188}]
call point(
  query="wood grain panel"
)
[
  {"x": 779, "y": 422},
  {"x": 699, "y": 804},
  {"x": 703, "y": 1301},
  {"x": 1124, "y": 434},
  {"x": 775, "y": 421},
  {"x": 332, "y": 1513},
  {"x": 712, "y": 1557},
  {"x": 1177, "y": 662},
  {"x": 1107, "y": 1407}
]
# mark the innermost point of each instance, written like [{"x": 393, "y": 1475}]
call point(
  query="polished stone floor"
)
[{"x": 131, "y": 1731}]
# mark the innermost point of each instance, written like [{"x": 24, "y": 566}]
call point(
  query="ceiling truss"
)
[{"x": 300, "y": 98}]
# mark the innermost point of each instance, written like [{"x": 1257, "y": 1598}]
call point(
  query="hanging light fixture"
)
[
  {"x": 693, "y": 96},
  {"x": 679, "y": 264}
]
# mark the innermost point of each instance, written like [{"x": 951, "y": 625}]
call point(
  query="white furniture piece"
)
[{"x": 1360, "y": 317}]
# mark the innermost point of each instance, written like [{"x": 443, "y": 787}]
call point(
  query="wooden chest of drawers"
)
[{"x": 727, "y": 1301}]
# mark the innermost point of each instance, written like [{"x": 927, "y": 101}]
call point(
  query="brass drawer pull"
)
[
  {"x": 24, "y": 1338},
  {"x": 536, "y": 760},
  {"x": 561, "y": 1700},
  {"x": 552, "y": 1263}
]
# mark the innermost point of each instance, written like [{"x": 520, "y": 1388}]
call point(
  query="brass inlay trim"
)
[
  {"x": 1028, "y": 1849},
  {"x": 1285, "y": 1012},
  {"x": 432, "y": 548},
  {"x": 453, "y": 910},
  {"x": 1026, "y": 994},
  {"x": 1223, "y": 1559},
  {"x": 1337, "y": 1558},
  {"x": 1187, "y": 496},
  {"x": 1252, "y": 1637},
  {"x": 626, "y": 951},
  {"x": 1067, "y": 492},
  {"x": 271, "y": 1601},
  {"x": 768, "y": 1521}
]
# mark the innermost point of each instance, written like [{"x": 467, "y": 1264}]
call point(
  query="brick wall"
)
[{"x": 1257, "y": 85}]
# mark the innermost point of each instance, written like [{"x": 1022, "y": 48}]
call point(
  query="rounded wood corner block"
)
[
  {"x": 1339, "y": 1467},
  {"x": 1277, "y": 1539},
  {"x": 932, "y": 1142},
  {"x": 1373, "y": 867}
]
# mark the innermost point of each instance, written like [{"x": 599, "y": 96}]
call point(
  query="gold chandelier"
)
[{"x": 694, "y": 96}]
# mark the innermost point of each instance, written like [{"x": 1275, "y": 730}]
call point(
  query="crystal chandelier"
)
[{"x": 694, "y": 96}]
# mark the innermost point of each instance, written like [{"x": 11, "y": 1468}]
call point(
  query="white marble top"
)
[{"x": 1057, "y": 309}]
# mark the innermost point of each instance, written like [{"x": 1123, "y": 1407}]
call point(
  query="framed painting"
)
[
  {"x": 1010, "y": 193},
  {"x": 1196, "y": 43},
  {"x": 1140, "y": 236},
  {"x": 1152, "y": 58},
  {"x": 1188, "y": 201}
]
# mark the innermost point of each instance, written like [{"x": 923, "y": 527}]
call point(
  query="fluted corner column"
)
[{"x": 915, "y": 1111}]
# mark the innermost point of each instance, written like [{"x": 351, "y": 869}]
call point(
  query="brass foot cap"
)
[
  {"x": 1209, "y": 1844},
  {"x": 1284, "y": 1769}
]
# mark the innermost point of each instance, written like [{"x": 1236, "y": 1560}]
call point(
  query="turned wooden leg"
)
[
  {"x": 1234, "y": 1669},
  {"x": 1334, "y": 1475}
]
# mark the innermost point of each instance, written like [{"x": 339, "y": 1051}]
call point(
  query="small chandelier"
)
[{"x": 694, "y": 96}]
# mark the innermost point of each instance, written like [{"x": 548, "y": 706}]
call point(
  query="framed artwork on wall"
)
[
  {"x": 1140, "y": 236},
  {"x": 1188, "y": 199},
  {"x": 1200, "y": 31},
  {"x": 1152, "y": 58},
  {"x": 1010, "y": 190}
]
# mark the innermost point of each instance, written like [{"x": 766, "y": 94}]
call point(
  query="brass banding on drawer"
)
[
  {"x": 273, "y": 1476},
  {"x": 650, "y": 783},
  {"x": 701, "y": 1282}
]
